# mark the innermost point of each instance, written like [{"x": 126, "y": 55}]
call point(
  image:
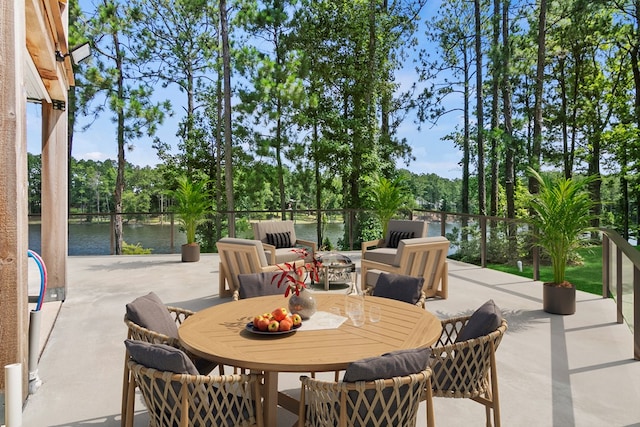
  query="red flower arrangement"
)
[{"x": 296, "y": 277}]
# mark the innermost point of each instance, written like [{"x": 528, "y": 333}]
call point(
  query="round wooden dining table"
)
[{"x": 220, "y": 334}]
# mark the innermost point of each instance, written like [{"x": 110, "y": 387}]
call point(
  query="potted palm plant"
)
[
  {"x": 192, "y": 203},
  {"x": 562, "y": 213},
  {"x": 387, "y": 197}
]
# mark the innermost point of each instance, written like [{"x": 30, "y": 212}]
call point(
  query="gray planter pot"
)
[
  {"x": 191, "y": 252},
  {"x": 558, "y": 299}
]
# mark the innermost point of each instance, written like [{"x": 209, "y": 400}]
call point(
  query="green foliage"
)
[
  {"x": 192, "y": 203},
  {"x": 563, "y": 212},
  {"x": 137, "y": 249},
  {"x": 387, "y": 197}
]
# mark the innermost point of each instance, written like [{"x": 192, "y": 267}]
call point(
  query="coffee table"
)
[{"x": 219, "y": 334}]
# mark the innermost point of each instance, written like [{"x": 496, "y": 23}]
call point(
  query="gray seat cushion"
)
[
  {"x": 287, "y": 255},
  {"x": 486, "y": 319},
  {"x": 150, "y": 312},
  {"x": 260, "y": 284},
  {"x": 381, "y": 255},
  {"x": 399, "y": 287},
  {"x": 161, "y": 357}
]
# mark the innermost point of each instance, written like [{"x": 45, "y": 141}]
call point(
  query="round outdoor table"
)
[{"x": 219, "y": 334}]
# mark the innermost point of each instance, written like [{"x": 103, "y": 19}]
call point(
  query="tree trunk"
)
[
  {"x": 119, "y": 190},
  {"x": 465, "y": 142},
  {"x": 495, "y": 106},
  {"x": 482, "y": 203},
  {"x": 510, "y": 175},
  {"x": 536, "y": 149},
  {"x": 228, "y": 145}
]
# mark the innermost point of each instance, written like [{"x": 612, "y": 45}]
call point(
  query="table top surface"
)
[{"x": 219, "y": 333}]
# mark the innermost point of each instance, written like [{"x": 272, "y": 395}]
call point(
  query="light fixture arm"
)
[{"x": 78, "y": 53}]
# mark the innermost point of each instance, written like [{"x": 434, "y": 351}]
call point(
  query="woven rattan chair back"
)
[
  {"x": 467, "y": 369},
  {"x": 183, "y": 400},
  {"x": 137, "y": 332},
  {"x": 380, "y": 403}
]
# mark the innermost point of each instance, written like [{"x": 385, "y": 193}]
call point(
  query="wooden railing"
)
[{"x": 476, "y": 239}]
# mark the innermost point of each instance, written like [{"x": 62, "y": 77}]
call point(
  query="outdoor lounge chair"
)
[
  {"x": 422, "y": 257},
  {"x": 279, "y": 238},
  {"x": 466, "y": 368},
  {"x": 175, "y": 395},
  {"x": 242, "y": 256},
  {"x": 168, "y": 336},
  {"x": 382, "y": 402},
  {"x": 384, "y": 250}
]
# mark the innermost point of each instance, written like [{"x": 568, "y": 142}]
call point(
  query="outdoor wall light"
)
[{"x": 78, "y": 53}]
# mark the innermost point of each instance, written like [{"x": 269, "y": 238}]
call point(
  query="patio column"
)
[
  {"x": 13, "y": 191},
  {"x": 54, "y": 198}
]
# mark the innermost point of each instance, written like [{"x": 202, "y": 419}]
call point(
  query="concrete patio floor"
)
[{"x": 553, "y": 370}]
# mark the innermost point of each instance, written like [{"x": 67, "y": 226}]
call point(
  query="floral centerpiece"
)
[{"x": 295, "y": 277}]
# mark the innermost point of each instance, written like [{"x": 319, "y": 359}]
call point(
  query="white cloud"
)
[{"x": 94, "y": 155}]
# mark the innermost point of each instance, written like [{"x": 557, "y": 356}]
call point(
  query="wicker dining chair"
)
[
  {"x": 467, "y": 369},
  {"x": 198, "y": 400},
  {"x": 139, "y": 333},
  {"x": 383, "y": 402}
]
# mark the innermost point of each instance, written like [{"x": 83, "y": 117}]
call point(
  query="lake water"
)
[{"x": 94, "y": 239}]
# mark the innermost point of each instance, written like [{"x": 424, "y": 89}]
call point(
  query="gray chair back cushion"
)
[
  {"x": 419, "y": 228},
  {"x": 394, "y": 364},
  {"x": 486, "y": 319},
  {"x": 261, "y": 228},
  {"x": 399, "y": 287},
  {"x": 150, "y": 312},
  {"x": 161, "y": 357},
  {"x": 260, "y": 284}
]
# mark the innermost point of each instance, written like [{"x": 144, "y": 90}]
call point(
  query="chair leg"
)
[
  {"x": 222, "y": 282},
  {"x": 131, "y": 391},
  {"x": 429, "y": 398},
  {"x": 125, "y": 410},
  {"x": 493, "y": 390}
]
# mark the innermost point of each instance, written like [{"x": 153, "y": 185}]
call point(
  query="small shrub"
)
[{"x": 137, "y": 249}]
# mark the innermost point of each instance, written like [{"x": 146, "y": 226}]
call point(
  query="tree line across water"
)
[
  {"x": 91, "y": 192},
  {"x": 287, "y": 101}
]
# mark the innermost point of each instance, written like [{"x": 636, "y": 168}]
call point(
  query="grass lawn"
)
[{"x": 586, "y": 277}]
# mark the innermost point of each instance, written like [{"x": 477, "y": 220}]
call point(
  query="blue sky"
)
[{"x": 433, "y": 155}]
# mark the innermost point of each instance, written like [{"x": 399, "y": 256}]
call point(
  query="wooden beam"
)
[
  {"x": 54, "y": 230},
  {"x": 14, "y": 194},
  {"x": 45, "y": 34}
]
